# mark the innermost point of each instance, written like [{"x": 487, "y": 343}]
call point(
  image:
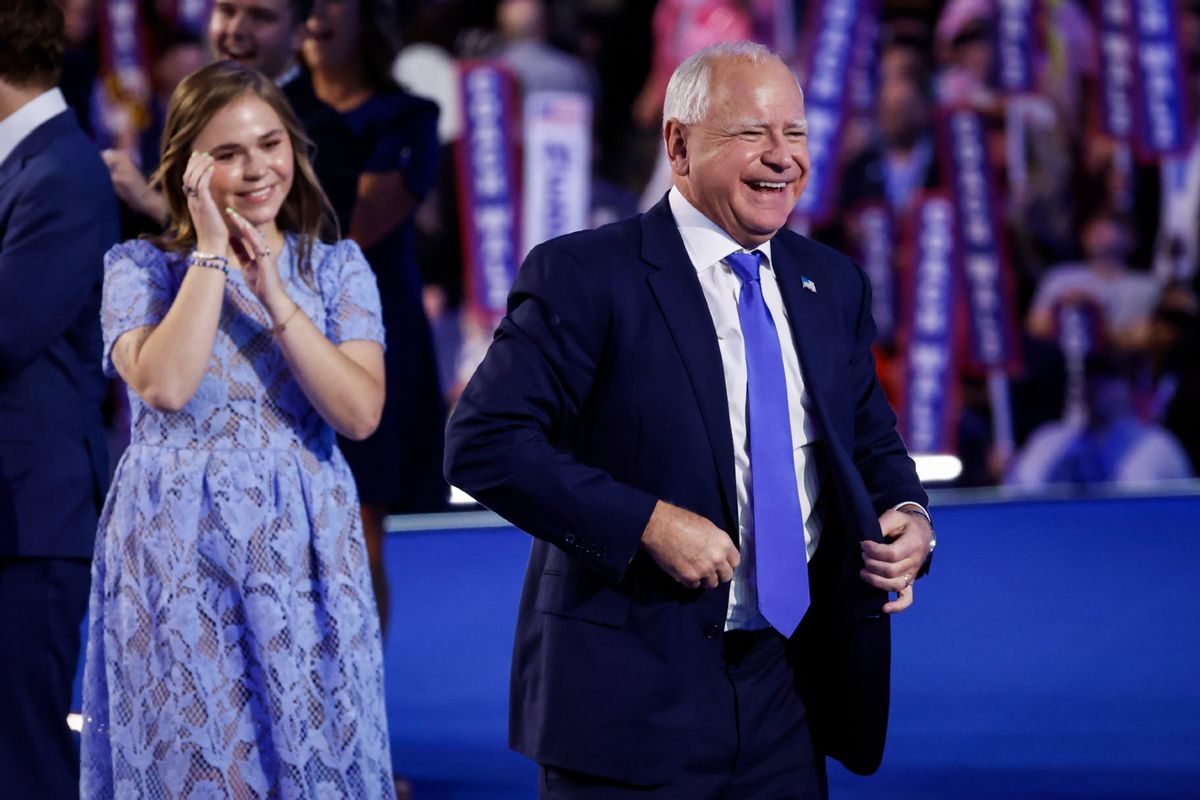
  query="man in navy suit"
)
[
  {"x": 58, "y": 216},
  {"x": 682, "y": 409}
]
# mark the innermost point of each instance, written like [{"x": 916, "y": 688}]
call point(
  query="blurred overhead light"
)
[{"x": 937, "y": 468}]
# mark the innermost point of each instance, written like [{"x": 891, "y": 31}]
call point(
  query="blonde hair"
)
[
  {"x": 305, "y": 211},
  {"x": 687, "y": 92}
]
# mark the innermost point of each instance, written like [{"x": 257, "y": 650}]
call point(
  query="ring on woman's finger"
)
[
  {"x": 190, "y": 191},
  {"x": 264, "y": 253},
  {"x": 906, "y": 580}
]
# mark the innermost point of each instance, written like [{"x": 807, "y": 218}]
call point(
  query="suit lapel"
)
[
  {"x": 681, "y": 301},
  {"x": 812, "y": 322}
]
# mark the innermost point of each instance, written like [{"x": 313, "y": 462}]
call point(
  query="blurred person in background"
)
[
  {"x": 57, "y": 217},
  {"x": 81, "y": 59},
  {"x": 180, "y": 55},
  {"x": 233, "y": 646},
  {"x": 1126, "y": 297},
  {"x": 265, "y": 35},
  {"x": 1177, "y": 248},
  {"x": 963, "y": 43},
  {"x": 1175, "y": 366},
  {"x": 900, "y": 161},
  {"x": 350, "y": 47},
  {"x": 538, "y": 65},
  {"x": 1108, "y": 443}
]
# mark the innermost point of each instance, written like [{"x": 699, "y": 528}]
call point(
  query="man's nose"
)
[
  {"x": 237, "y": 25},
  {"x": 776, "y": 152}
]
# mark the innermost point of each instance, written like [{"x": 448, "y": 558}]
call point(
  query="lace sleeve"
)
[
  {"x": 138, "y": 290},
  {"x": 351, "y": 296}
]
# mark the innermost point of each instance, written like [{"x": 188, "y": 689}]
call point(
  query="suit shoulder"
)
[
  {"x": 69, "y": 174},
  {"x": 616, "y": 238},
  {"x": 812, "y": 249}
]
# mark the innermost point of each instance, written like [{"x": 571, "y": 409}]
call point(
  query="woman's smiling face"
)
[{"x": 252, "y": 156}]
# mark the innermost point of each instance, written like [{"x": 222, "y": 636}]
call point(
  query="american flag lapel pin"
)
[{"x": 807, "y": 283}]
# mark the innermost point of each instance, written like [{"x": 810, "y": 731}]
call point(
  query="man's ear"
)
[{"x": 675, "y": 135}]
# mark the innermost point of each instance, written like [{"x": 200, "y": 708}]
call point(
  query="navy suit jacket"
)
[
  {"x": 604, "y": 392},
  {"x": 58, "y": 216}
]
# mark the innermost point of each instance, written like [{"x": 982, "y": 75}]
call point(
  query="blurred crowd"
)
[{"x": 1102, "y": 245}]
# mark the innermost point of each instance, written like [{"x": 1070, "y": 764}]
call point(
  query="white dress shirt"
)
[
  {"x": 22, "y": 122},
  {"x": 707, "y": 246}
]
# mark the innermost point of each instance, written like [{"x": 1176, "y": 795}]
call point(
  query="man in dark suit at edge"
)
[
  {"x": 58, "y": 216},
  {"x": 682, "y": 409}
]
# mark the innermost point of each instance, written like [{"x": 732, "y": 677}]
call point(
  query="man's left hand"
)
[{"x": 892, "y": 565}]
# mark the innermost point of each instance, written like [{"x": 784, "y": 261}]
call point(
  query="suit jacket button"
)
[{"x": 711, "y": 631}]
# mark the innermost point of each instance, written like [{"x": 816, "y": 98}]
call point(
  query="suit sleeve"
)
[
  {"x": 51, "y": 261},
  {"x": 879, "y": 452},
  {"x": 508, "y": 440}
]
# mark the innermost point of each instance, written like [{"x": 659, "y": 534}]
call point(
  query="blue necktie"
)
[{"x": 780, "y": 557}]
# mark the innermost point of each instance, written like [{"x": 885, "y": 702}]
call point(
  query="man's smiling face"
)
[
  {"x": 261, "y": 34},
  {"x": 746, "y": 163}
]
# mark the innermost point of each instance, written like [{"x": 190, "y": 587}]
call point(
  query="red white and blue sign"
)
[
  {"x": 1015, "y": 44},
  {"x": 825, "y": 100},
  {"x": 876, "y": 246},
  {"x": 929, "y": 411},
  {"x": 1160, "y": 100},
  {"x": 982, "y": 251},
  {"x": 489, "y": 191},
  {"x": 1117, "y": 76}
]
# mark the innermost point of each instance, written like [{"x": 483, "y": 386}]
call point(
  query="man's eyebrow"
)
[{"x": 747, "y": 123}]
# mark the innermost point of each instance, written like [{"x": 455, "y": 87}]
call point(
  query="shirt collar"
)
[
  {"x": 22, "y": 122},
  {"x": 705, "y": 241}
]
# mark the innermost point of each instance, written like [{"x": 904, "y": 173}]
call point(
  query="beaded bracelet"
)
[{"x": 209, "y": 261}]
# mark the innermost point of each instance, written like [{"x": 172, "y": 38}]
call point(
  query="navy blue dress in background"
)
[{"x": 400, "y": 466}]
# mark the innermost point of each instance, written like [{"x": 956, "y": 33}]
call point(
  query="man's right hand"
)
[
  {"x": 689, "y": 548},
  {"x": 130, "y": 185}
]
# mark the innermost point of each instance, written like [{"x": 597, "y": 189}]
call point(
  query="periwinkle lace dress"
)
[{"x": 234, "y": 647}]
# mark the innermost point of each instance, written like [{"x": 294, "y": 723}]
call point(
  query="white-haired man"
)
[{"x": 682, "y": 409}]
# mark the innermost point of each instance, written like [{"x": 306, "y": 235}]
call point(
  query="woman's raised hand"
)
[
  {"x": 212, "y": 235},
  {"x": 260, "y": 266}
]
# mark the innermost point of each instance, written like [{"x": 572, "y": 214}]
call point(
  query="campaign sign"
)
[
  {"x": 929, "y": 407},
  {"x": 123, "y": 49},
  {"x": 1015, "y": 44},
  {"x": 825, "y": 99},
  {"x": 488, "y": 191},
  {"x": 558, "y": 161},
  {"x": 864, "y": 58},
  {"x": 982, "y": 256},
  {"x": 1161, "y": 114},
  {"x": 876, "y": 245},
  {"x": 1117, "y": 76}
]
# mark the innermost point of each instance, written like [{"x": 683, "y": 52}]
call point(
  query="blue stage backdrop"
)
[{"x": 1054, "y": 652}]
